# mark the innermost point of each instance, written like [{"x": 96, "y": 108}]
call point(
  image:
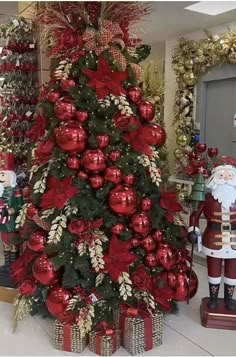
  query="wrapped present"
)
[
  {"x": 140, "y": 330},
  {"x": 105, "y": 340},
  {"x": 67, "y": 337}
]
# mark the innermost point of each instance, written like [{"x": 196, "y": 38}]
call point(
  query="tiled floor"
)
[{"x": 183, "y": 334}]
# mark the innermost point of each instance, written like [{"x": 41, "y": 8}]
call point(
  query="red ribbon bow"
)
[{"x": 104, "y": 329}]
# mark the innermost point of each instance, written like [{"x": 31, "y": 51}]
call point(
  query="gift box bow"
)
[{"x": 103, "y": 329}]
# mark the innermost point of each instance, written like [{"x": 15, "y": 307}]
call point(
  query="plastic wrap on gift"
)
[
  {"x": 104, "y": 341},
  {"x": 67, "y": 337}
]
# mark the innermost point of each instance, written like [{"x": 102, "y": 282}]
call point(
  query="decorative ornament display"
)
[
  {"x": 155, "y": 135},
  {"x": 146, "y": 110},
  {"x": 113, "y": 174},
  {"x": 123, "y": 200},
  {"x": 114, "y": 155},
  {"x": 81, "y": 115},
  {"x": 129, "y": 179},
  {"x": 64, "y": 109},
  {"x": 148, "y": 243},
  {"x": 73, "y": 162},
  {"x": 166, "y": 256},
  {"x": 96, "y": 181},
  {"x": 37, "y": 242},
  {"x": 151, "y": 260},
  {"x": 103, "y": 140},
  {"x": 158, "y": 235},
  {"x": 118, "y": 228},
  {"x": 94, "y": 160},
  {"x": 146, "y": 204},
  {"x": 53, "y": 95},
  {"x": 44, "y": 272},
  {"x": 140, "y": 223},
  {"x": 135, "y": 94},
  {"x": 71, "y": 137}
]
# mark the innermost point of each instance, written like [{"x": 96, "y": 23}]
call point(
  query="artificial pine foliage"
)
[{"x": 109, "y": 221}]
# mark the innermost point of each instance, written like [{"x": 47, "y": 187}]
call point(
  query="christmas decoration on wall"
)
[
  {"x": 190, "y": 59},
  {"x": 99, "y": 228}
]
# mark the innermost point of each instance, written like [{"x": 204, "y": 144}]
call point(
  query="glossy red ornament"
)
[
  {"x": 31, "y": 211},
  {"x": 73, "y": 162},
  {"x": 82, "y": 175},
  {"x": 158, "y": 235},
  {"x": 129, "y": 179},
  {"x": 57, "y": 300},
  {"x": 94, "y": 160},
  {"x": 71, "y": 137},
  {"x": 171, "y": 279},
  {"x": 212, "y": 152},
  {"x": 53, "y": 95},
  {"x": 103, "y": 140},
  {"x": 141, "y": 223},
  {"x": 37, "y": 242},
  {"x": 113, "y": 174},
  {"x": 66, "y": 84},
  {"x": 181, "y": 291},
  {"x": 146, "y": 204},
  {"x": 114, "y": 155},
  {"x": 150, "y": 260},
  {"x": 96, "y": 181},
  {"x": 134, "y": 94},
  {"x": 193, "y": 155},
  {"x": 148, "y": 243},
  {"x": 118, "y": 228},
  {"x": 81, "y": 115},
  {"x": 64, "y": 109},
  {"x": 154, "y": 135},
  {"x": 200, "y": 148},
  {"x": 146, "y": 110},
  {"x": 123, "y": 200},
  {"x": 136, "y": 242},
  {"x": 44, "y": 272},
  {"x": 166, "y": 256}
]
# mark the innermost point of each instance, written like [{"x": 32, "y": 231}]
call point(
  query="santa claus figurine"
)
[
  {"x": 219, "y": 237},
  {"x": 10, "y": 205}
]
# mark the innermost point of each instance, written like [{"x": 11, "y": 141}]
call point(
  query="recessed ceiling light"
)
[{"x": 212, "y": 7}]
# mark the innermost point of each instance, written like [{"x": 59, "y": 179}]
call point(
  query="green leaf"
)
[
  {"x": 59, "y": 260},
  {"x": 70, "y": 277},
  {"x": 142, "y": 52}
]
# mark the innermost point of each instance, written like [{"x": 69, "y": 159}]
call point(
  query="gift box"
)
[
  {"x": 67, "y": 337},
  {"x": 105, "y": 340},
  {"x": 140, "y": 330}
]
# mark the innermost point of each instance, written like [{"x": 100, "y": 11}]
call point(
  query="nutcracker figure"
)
[
  {"x": 218, "y": 242},
  {"x": 10, "y": 204}
]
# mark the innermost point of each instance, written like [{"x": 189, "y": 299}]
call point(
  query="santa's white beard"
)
[{"x": 225, "y": 194}]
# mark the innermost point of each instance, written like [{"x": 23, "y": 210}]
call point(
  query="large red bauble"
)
[
  {"x": 114, "y": 155},
  {"x": 212, "y": 152},
  {"x": 96, "y": 181},
  {"x": 150, "y": 260},
  {"x": 94, "y": 160},
  {"x": 172, "y": 279},
  {"x": 158, "y": 235},
  {"x": 113, "y": 174},
  {"x": 154, "y": 135},
  {"x": 53, "y": 95},
  {"x": 146, "y": 204},
  {"x": 66, "y": 84},
  {"x": 181, "y": 292},
  {"x": 81, "y": 115},
  {"x": 134, "y": 94},
  {"x": 200, "y": 148},
  {"x": 141, "y": 223},
  {"x": 117, "y": 228},
  {"x": 57, "y": 300},
  {"x": 44, "y": 272},
  {"x": 146, "y": 110},
  {"x": 103, "y": 140},
  {"x": 37, "y": 242},
  {"x": 129, "y": 179},
  {"x": 73, "y": 162},
  {"x": 123, "y": 200},
  {"x": 166, "y": 256},
  {"x": 71, "y": 137},
  {"x": 64, "y": 109},
  {"x": 148, "y": 243}
]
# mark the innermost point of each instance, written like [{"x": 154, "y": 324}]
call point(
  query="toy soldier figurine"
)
[
  {"x": 10, "y": 204},
  {"x": 219, "y": 237}
]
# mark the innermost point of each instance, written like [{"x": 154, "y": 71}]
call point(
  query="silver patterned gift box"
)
[
  {"x": 104, "y": 344},
  {"x": 67, "y": 337}
]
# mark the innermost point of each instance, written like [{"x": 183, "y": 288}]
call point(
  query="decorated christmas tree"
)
[{"x": 100, "y": 229}]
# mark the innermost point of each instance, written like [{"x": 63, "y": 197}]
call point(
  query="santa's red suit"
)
[{"x": 219, "y": 237}]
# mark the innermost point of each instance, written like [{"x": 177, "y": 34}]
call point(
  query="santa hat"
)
[
  {"x": 225, "y": 161},
  {"x": 7, "y": 161}
]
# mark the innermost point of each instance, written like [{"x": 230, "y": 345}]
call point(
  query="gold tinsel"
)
[{"x": 23, "y": 306}]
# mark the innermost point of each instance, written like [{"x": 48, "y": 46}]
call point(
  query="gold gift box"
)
[
  {"x": 77, "y": 343},
  {"x": 107, "y": 343}
]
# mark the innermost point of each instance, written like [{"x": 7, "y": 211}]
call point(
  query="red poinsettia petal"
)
[
  {"x": 103, "y": 66},
  {"x": 60, "y": 200},
  {"x": 53, "y": 182},
  {"x": 71, "y": 191},
  {"x": 118, "y": 77}
]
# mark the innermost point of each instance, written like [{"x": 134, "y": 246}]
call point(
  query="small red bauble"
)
[
  {"x": 71, "y": 137},
  {"x": 123, "y": 200},
  {"x": 53, "y": 95},
  {"x": 151, "y": 260},
  {"x": 82, "y": 175},
  {"x": 114, "y": 155},
  {"x": 200, "y": 148},
  {"x": 136, "y": 242},
  {"x": 134, "y": 94},
  {"x": 57, "y": 300},
  {"x": 166, "y": 256},
  {"x": 113, "y": 174},
  {"x": 66, "y": 84},
  {"x": 44, "y": 272},
  {"x": 31, "y": 211},
  {"x": 81, "y": 115},
  {"x": 141, "y": 223},
  {"x": 103, "y": 140},
  {"x": 154, "y": 135},
  {"x": 158, "y": 235},
  {"x": 117, "y": 228},
  {"x": 212, "y": 152},
  {"x": 172, "y": 279},
  {"x": 146, "y": 110},
  {"x": 129, "y": 179},
  {"x": 96, "y": 181},
  {"x": 146, "y": 204},
  {"x": 64, "y": 109},
  {"x": 37, "y": 242},
  {"x": 73, "y": 162},
  {"x": 148, "y": 243},
  {"x": 94, "y": 160},
  {"x": 193, "y": 155}
]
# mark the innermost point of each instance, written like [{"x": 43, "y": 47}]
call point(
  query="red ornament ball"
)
[
  {"x": 200, "y": 148},
  {"x": 141, "y": 223},
  {"x": 57, "y": 300},
  {"x": 82, "y": 175},
  {"x": 146, "y": 110},
  {"x": 53, "y": 95},
  {"x": 154, "y": 135},
  {"x": 166, "y": 256},
  {"x": 71, "y": 137},
  {"x": 66, "y": 84},
  {"x": 123, "y": 200},
  {"x": 129, "y": 179},
  {"x": 117, "y": 228},
  {"x": 148, "y": 243},
  {"x": 158, "y": 235},
  {"x": 37, "y": 242},
  {"x": 150, "y": 260},
  {"x": 212, "y": 152},
  {"x": 94, "y": 160},
  {"x": 103, "y": 140},
  {"x": 136, "y": 242},
  {"x": 171, "y": 279},
  {"x": 73, "y": 162},
  {"x": 81, "y": 115},
  {"x": 96, "y": 181},
  {"x": 113, "y": 174},
  {"x": 64, "y": 109},
  {"x": 146, "y": 204},
  {"x": 114, "y": 155},
  {"x": 134, "y": 94},
  {"x": 181, "y": 291},
  {"x": 44, "y": 272}
]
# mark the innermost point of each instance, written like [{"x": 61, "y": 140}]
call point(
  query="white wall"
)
[{"x": 157, "y": 56}]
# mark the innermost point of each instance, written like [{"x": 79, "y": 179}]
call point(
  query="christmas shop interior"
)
[{"x": 117, "y": 178}]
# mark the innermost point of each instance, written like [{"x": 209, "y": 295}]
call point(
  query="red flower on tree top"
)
[
  {"x": 106, "y": 81},
  {"x": 58, "y": 193},
  {"x": 119, "y": 258}
]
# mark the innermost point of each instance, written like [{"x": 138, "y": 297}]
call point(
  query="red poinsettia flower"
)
[
  {"x": 20, "y": 267},
  {"x": 43, "y": 151},
  {"x": 28, "y": 286},
  {"x": 38, "y": 128},
  {"x": 58, "y": 193},
  {"x": 105, "y": 81},
  {"x": 170, "y": 204},
  {"x": 163, "y": 296},
  {"x": 140, "y": 279},
  {"x": 119, "y": 258}
]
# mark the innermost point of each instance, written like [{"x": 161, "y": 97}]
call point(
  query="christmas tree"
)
[{"x": 100, "y": 229}]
